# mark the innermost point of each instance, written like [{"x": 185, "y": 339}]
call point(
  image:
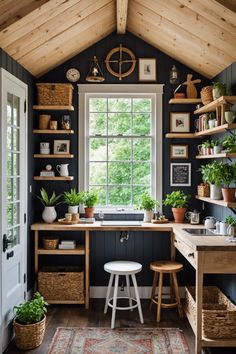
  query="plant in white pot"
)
[
  {"x": 231, "y": 222},
  {"x": 211, "y": 173},
  {"x": 228, "y": 175},
  {"x": 219, "y": 89},
  {"x": 29, "y": 322},
  {"x": 49, "y": 213},
  {"x": 73, "y": 199},
  {"x": 89, "y": 199},
  {"x": 148, "y": 204},
  {"x": 178, "y": 200}
]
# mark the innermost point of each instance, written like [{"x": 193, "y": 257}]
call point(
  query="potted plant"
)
[
  {"x": 178, "y": 200},
  {"x": 29, "y": 322},
  {"x": 49, "y": 213},
  {"x": 148, "y": 205},
  {"x": 207, "y": 147},
  {"x": 217, "y": 147},
  {"x": 211, "y": 173},
  {"x": 229, "y": 143},
  {"x": 73, "y": 199},
  {"x": 212, "y": 120},
  {"x": 89, "y": 198},
  {"x": 219, "y": 90},
  {"x": 231, "y": 222},
  {"x": 228, "y": 175}
]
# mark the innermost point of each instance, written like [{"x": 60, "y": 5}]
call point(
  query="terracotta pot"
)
[
  {"x": 89, "y": 212},
  {"x": 229, "y": 194},
  {"x": 179, "y": 214}
]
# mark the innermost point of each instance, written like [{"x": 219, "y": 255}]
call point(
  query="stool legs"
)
[
  {"x": 128, "y": 291},
  {"x": 180, "y": 310},
  {"x": 137, "y": 298},
  {"x": 108, "y": 292},
  {"x": 159, "y": 297},
  {"x": 113, "y": 317},
  {"x": 154, "y": 285}
]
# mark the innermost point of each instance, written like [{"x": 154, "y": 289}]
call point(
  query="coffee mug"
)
[
  {"x": 223, "y": 228},
  {"x": 68, "y": 216},
  {"x": 53, "y": 124},
  {"x": 75, "y": 217},
  {"x": 212, "y": 123}
]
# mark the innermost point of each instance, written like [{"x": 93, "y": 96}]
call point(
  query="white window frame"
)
[{"x": 86, "y": 91}]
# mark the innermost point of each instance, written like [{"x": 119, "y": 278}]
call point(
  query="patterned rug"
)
[{"x": 118, "y": 341}]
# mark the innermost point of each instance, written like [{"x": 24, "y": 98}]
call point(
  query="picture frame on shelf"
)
[
  {"x": 61, "y": 147},
  {"x": 180, "y": 174},
  {"x": 147, "y": 69},
  {"x": 179, "y": 151},
  {"x": 179, "y": 122}
]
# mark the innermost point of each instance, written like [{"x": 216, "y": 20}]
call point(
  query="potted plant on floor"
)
[
  {"x": 231, "y": 222},
  {"x": 49, "y": 213},
  {"x": 73, "y": 199},
  {"x": 29, "y": 323},
  {"x": 89, "y": 198},
  {"x": 228, "y": 175},
  {"x": 178, "y": 200},
  {"x": 148, "y": 204},
  {"x": 229, "y": 143},
  {"x": 219, "y": 89},
  {"x": 211, "y": 173}
]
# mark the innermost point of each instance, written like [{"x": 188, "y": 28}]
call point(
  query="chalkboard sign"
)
[{"x": 180, "y": 174}]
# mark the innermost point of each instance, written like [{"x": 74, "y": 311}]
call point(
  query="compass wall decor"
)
[{"x": 120, "y": 62}]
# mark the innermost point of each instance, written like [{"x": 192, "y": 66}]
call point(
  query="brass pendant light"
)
[{"x": 95, "y": 72}]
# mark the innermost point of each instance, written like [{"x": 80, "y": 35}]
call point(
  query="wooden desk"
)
[{"x": 208, "y": 255}]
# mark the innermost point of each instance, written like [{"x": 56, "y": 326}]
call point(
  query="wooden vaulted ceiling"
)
[{"x": 41, "y": 34}]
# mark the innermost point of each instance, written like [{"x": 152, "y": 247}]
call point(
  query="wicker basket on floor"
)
[
  {"x": 218, "y": 314},
  {"x": 203, "y": 190},
  {"x": 29, "y": 336},
  {"x": 55, "y": 94},
  {"x": 206, "y": 94}
]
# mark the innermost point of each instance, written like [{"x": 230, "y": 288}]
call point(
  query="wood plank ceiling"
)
[{"x": 41, "y": 34}]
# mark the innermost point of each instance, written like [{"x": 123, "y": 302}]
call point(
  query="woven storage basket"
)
[
  {"x": 55, "y": 94},
  {"x": 63, "y": 284},
  {"x": 29, "y": 336},
  {"x": 50, "y": 243},
  {"x": 218, "y": 314},
  {"x": 203, "y": 190},
  {"x": 206, "y": 94}
]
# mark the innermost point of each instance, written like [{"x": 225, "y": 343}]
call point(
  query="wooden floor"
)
[{"x": 77, "y": 316}]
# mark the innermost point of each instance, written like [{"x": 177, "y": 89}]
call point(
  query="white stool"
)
[{"x": 126, "y": 268}]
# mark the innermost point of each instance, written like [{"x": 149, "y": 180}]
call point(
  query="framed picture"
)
[
  {"x": 180, "y": 174},
  {"x": 179, "y": 122},
  {"x": 178, "y": 151},
  {"x": 147, "y": 69},
  {"x": 61, "y": 147}
]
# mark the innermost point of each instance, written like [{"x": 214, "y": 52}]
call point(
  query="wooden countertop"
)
[{"x": 198, "y": 243}]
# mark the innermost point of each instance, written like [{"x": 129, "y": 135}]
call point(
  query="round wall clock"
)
[
  {"x": 73, "y": 75},
  {"x": 116, "y": 59}
]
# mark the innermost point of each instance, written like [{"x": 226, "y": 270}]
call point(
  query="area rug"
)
[{"x": 118, "y": 341}]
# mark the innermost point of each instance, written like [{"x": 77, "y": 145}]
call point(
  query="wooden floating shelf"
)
[
  {"x": 80, "y": 249},
  {"x": 180, "y": 135},
  {"x": 53, "y": 108},
  {"x": 217, "y": 202},
  {"x": 210, "y": 107},
  {"x": 218, "y": 156},
  {"x": 185, "y": 100},
  {"x": 46, "y": 178},
  {"x": 216, "y": 130},
  {"x": 54, "y": 156},
  {"x": 51, "y": 131}
]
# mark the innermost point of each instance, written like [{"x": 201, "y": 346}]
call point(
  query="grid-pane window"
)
[{"x": 120, "y": 143}]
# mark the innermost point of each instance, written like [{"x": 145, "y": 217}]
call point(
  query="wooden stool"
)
[{"x": 160, "y": 268}]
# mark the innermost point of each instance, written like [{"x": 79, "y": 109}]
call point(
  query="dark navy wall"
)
[{"x": 9, "y": 64}]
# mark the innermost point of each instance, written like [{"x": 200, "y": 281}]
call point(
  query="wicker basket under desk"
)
[
  {"x": 218, "y": 315},
  {"x": 64, "y": 285}
]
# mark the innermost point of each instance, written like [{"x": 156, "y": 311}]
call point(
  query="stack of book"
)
[
  {"x": 45, "y": 173},
  {"x": 67, "y": 245}
]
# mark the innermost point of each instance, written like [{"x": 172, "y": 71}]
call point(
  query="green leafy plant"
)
[
  {"x": 229, "y": 143},
  {"x": 177, "y": 199},
  {"x": 49, "y": 201},
  {"x": 89, "y": 198},
  {"x": 231, "y": 220},
  {"x": 31, "y": 311},
  {"x": 211, "y": 173},
  {"x": 228, "y": 173},
  {"x": 212, "y": 115},
  {"x": 215, "y": 143},
  {"x": 207, "y": 144},
  {"x": 147, "y": 202},
  {"x": 220, "y": 87},
  {"x": 73, "y": 198}
]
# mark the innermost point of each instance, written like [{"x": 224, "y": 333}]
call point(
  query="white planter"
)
[
  {"x": 215, "y": 192},
  {"x": 73, "y": 209},
  {"x": 217, "y": 149},
  {"x": 49, "y": 214},
  {"x": 148, "y": 215}
]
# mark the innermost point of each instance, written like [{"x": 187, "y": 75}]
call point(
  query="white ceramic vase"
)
[
  {"x": 73, "y": 209},
  {"x": 217, "y": 149},
  {"x": 215, "y": 192},
  {"x": 148, "y": 215},
  {"x": 49, "y": 214}
]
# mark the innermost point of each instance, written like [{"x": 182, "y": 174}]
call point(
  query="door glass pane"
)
[
  {"x": 16, "y": 111},
  {"x": 9, "y": 108},
  {"x": 16, "y": 137}
]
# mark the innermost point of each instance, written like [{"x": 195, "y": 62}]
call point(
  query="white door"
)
[{"x": 13, "y": 193}]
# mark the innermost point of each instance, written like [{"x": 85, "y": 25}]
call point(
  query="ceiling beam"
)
[{"x": 121, "y": 14}]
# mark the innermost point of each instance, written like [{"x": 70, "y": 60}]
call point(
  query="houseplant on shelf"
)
[
  {"x": 211, "y": 173},
  {"x": 89, "y": 199},
  {"x": 73, "y": 199},
  {"x": 217, "y": 147},
  {"x": 231, "y": 222},
  {"x": 229, "y": 143},
  {"x": 219, "y": 90},
  {"x": 49, "y": 213},
  {"x": 228, "y": 175},
  {"x": 148, "y": 204},
  {"x": 29, "y": 322},
  {"x": 178, "y": 200}
]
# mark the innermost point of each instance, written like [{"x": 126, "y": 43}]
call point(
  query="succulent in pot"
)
[
  {"x": 228, "y": 175},
  {"x": 219, "y": 89},
  {"x": 178, "y": 200},
  {"x": 229, "y": 143},
  {"x": 89, "y": 199},
  {"x": 211, "y": 173},
  {"x": 49, "y": 213},
  {"x": 148, "y": 204},
  {"x": 73, "y": 199},
  {"x": 217, "y": 147}
]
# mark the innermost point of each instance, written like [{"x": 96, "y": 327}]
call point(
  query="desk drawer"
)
[{"x": 185, "y": 250}]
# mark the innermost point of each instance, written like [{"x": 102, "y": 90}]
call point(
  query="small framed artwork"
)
[
  {"x": 180, "y": 122},
  {"x": 61, "y": 147},
  {"x": 180, "y": 174},
  {"x": 147, "y": 69},
  {"x": 178, "y": 151}
]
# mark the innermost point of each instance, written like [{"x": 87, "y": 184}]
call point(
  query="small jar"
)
[{"x": 66, "y": 122}]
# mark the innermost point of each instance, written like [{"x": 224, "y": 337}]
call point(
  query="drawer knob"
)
[{"x": 191, "y": 255}]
